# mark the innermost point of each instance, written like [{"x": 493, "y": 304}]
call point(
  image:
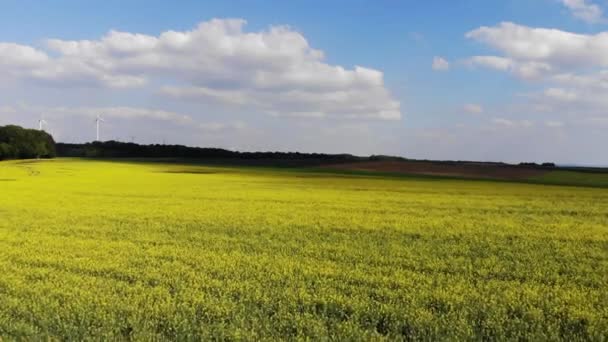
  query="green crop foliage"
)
[
  {"x": 93, "y": 250},
  {"x": 574, "y": 178}
]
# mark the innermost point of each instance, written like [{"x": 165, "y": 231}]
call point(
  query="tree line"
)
[
  {"x": 116, "y": 149},
  {"x": 21, "y": 143}
]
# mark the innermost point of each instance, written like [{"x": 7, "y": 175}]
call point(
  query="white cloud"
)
[
  {"x": 20, "y": 57},
  {"x": 597, "y": 80},
  {"x": 417, "y": 37},
  {"x": 473, "y": 108},
  {"x": 550, "y": 47},
  {"x": 581, "y": 102},
  {"x": 493, "y": 62},
  {"x": 77, "y": 122},
  {"x": 275, "y": 70},
  {"x": 135, "y": 113},
  {"x": 7, "y": 110},
  {"x": 128, "y": 113},
  {"x": 297, "y": 103},
  {"x": 596, "y": 121},
  {"x": 507, "y": 123},
  {"x": 524, "y": 70},
  {"x": 554, "y": 124},
  {"x": 440, "y": 64},
  {"x": 584, "y": 10},
  {"x": 560, "y": 94},
  {"x": 503, "y": 122},
  {"x": 215, "y": 127},
  {"x": 570, "y": 67}
]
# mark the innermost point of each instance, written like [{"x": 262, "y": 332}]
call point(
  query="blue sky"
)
[{"x": 519, "y": 82}]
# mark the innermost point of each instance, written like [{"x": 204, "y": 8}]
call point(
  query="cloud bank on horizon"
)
[{"x": 223, "y": 84}]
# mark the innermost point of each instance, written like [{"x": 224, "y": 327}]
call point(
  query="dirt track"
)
[{"x": 467, "y": 170}]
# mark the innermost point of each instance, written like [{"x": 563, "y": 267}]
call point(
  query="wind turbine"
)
[
  {"x": 40, "y": 123},
  {"x": 97, "y": 121}
]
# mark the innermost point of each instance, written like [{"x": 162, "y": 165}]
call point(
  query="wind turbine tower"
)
[
  {"x": 98, "y": 120},
  {"x": 40, "y": 123}
]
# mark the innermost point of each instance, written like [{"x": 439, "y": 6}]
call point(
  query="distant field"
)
[
  {"x": 471, "y": 170},
  {"x": 119, "y": 250},
  {"x": 450, "y": 169},
  {"x": 574, "y": 178}
]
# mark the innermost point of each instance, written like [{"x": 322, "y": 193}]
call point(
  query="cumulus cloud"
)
[
  {"x": 584, "y": 10},
  {"x": 596, "y": 81},
  {"x": 524, "y": 70},
  {"x": 417, "y": 37},
  {"x": 507, "y": 123},
  {"x": 492, "y": 62},
  {"x": 275, "y": 70},
  {"x": 222, "y": 126},
  {"x": 78, "y": 122},
  {"x": 440, "y": 64},
  {"x": 601, "y": 122},
  {"x": 552, "y": 48},
  {"x": 473, "y": 108},
  {"x": 571, "y": 68},
  {"x": 7, "y": 110},
  {"x": 298, "y": 103},
  {"x": 554, "y": 124},
  {"x": 130, "y": 113},
  {"x": 20, "y": 57},
  {"x": 560, "y": 94},
  {"x": 579, "y": 101}
]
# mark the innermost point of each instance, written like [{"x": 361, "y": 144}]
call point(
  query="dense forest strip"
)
[
  {"x": 20, "y": 143},
  {"x": 116, "y": 149}
]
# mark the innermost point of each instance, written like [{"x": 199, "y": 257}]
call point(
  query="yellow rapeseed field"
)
[{"x": 148, "y": 251}]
